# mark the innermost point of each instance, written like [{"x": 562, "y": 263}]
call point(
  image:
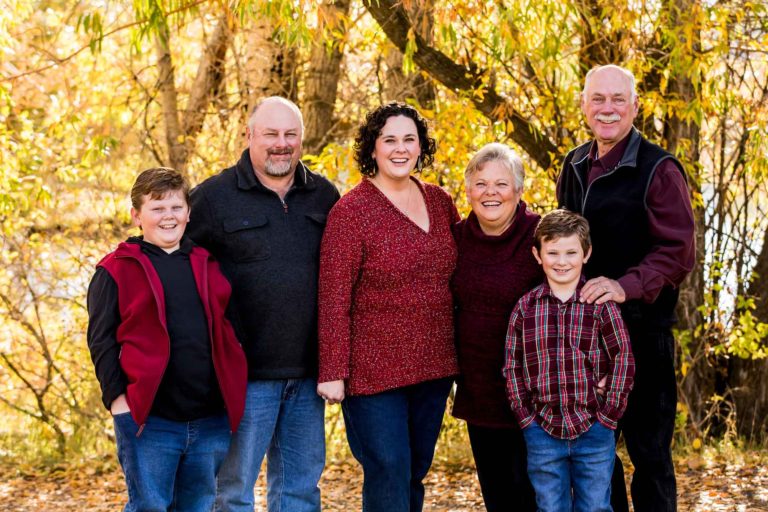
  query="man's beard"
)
[{"x": 278, "y": 169}]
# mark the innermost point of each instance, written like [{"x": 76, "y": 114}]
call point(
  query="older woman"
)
[
  {"x": 495, "y": 267},
  {"x": 385, "y": 309}
]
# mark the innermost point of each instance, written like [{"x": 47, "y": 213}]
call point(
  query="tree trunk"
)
[
  {"x": 747, "y": 381},
  {"x": 174, "y": 137},
  {"x": 682, "y": 138},
  {"x": 322, "y": 77},
  {"x": 599, "y": 46},
  {"x": 180, "y": 133},
  {"x": 269, "y": 68},
  {"x": 747, "y": 377},
  {"x": 207, "y": 86}
]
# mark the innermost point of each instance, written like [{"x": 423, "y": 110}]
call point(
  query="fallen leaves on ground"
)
[{"x": 710, "y": 486}]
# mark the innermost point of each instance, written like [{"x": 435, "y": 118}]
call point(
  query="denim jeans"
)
[
  {"x": 283, "y": 419},
  {"x": 649, "y": 423},
  {"x": 500, "y": 459},
  {"x": 172, "y": 465},
  {"x": 571, "y": 475},
  {"x": 393, "y": 435}
]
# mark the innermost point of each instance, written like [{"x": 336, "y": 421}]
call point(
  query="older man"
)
[
  {"x": 635, "y": 197},
  {"x": 263, "y": 219}
]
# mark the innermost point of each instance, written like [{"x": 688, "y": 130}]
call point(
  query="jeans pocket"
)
[
  {"x": 531, "y": 431},
  {"x": 124, "y": 425},
  {"x": 601, "y": 432}
]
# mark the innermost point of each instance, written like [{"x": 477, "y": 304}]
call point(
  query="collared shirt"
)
[
  {"x": 670, "y": 221},
  {"x": 556, "y": 353},
  {"x": 269, "y": 248}
]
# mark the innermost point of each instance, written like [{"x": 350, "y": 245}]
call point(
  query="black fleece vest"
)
[{"x": 615, "y": 206}]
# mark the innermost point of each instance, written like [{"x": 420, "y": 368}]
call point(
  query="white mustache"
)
[{"x": 612, "y": 118}]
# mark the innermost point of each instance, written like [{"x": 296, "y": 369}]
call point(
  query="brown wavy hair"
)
[{"x": 156, "y": 182}]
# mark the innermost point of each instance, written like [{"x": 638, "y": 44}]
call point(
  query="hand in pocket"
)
[{"x": 119, "y": 405}]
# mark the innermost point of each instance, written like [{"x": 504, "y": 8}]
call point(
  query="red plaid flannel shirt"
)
[{"x": 556, "y": 353}]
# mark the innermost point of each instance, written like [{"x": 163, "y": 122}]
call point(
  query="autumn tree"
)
[{"x": 92, "y": 93}]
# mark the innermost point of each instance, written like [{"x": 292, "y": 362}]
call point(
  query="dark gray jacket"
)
[{"x": 269, "y": 250}]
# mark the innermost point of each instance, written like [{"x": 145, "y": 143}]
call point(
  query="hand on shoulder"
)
[{"x": 601, "y": 289}]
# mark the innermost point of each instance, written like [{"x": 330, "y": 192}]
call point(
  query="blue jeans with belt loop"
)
[
  {"x": 392, "y": 434},
  {"x": 571, "y": 475}
]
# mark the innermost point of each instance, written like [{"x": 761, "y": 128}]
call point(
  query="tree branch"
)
[{"x": 394, "y": 21}]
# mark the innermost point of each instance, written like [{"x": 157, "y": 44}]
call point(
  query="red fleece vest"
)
[{"x": 143, "y": 334}]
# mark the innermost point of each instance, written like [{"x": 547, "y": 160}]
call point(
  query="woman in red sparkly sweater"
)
[{"x": 385, "y": 309}]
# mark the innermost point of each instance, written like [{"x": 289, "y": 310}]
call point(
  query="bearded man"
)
[
  {"x": 635, "y": 197},
  {"x": 263, "y": 220}
]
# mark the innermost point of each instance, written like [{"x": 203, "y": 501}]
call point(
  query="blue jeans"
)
[
  {"x": 172, "y": 465},
  {"x": 571, "y": 475},
  {"x": 283, "y": 419},
  {"x": 393, "y": 435}
]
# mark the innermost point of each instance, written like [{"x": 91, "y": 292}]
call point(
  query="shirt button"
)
[{"x": 245, "y": 223}]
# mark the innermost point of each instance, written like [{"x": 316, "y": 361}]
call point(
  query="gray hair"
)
[
  {"x": 276, "y": 99},
  {"x": 497, "y": 152},
  {"x": 624, "y": 71}
]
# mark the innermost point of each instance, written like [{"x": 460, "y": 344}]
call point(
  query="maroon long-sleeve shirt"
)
[
  {"x": 670, "y": 219},
  {"x": 492, "y": 273}
]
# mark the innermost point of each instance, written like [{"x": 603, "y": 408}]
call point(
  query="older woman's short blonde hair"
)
[{"x": 497, "y": 152}]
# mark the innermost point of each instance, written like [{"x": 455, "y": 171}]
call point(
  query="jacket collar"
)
[
  {"x": 247, "y": 180},
  {"x": 137, "y": 247},
  {"x": 629, "y": 159}
]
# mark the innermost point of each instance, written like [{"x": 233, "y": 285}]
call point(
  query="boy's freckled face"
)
[
  {"x": 562, "y": 260},
  {"x": 163, "y": 220}
]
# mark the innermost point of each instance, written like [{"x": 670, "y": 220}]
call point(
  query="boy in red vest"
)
[
  {"x": 569, "y": 370},
  {"x": 171, "y": 370}
]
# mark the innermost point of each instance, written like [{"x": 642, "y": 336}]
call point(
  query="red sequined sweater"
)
[{"x": 385, "y": 307}]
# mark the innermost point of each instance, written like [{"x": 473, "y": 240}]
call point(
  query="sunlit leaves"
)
[{"x": 79, "y": 118}]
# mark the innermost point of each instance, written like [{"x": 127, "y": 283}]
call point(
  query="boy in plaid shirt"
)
[{"x": 569, "y": 370}]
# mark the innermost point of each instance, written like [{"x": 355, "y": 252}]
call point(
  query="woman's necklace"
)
[{"x": 405, "y": 209}]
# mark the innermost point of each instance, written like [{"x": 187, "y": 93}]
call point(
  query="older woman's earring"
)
[{"x": 419, "y": 163}]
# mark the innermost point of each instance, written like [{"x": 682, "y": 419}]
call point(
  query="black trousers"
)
[
  {"x": 648, "y": 425},
  {"x": 500, "y": 458}
]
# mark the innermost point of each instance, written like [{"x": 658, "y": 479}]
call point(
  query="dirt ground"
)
[{"x": 702, "y": 486}]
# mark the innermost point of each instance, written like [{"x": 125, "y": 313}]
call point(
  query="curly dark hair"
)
[{"x": 365, "y": 142}]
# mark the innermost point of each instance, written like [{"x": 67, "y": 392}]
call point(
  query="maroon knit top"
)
[
  {"x": 385, "y": 307},
  {"x": 492, "y": 273}
]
